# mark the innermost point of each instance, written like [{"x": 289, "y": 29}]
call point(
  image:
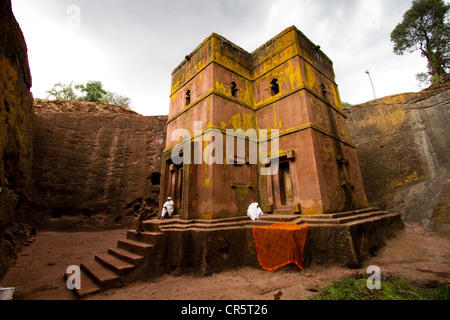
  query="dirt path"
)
[{"x": 415, "y": 254}]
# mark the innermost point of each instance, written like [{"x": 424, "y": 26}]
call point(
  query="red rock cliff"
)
[
  {"x": 403, "y": 143},
  {"x": 90, "y": 163},
  {"x": 16, "y": 104}
]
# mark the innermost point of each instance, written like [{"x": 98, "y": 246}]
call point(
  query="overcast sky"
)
[{"x": 132, "y": 46}]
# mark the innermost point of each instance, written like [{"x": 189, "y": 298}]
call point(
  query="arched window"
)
[
  {"x": 324, "y": 89},
  {"x": 234, "y": 89},
  {"x": 274, "y": 87},
  {"x": 188, "y": 97}
]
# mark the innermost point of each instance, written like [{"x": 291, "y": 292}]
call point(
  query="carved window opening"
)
[
  {"x": 274, "y": 87},
  {"x": 57, "y": 213},
  {"x": 155, "y": 178},
  {"x": 324, "y": 89},
  {"x": 188, "y": 97},
  {"x": 234, "y": 89}
]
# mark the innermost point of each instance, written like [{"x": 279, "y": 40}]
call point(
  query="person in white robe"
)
[
  {"x": 167, "y": 209},
  {"x": 254, "y": 211}
]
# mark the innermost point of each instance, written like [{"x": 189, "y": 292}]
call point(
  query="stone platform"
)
[{"x": 203, "y": 247}]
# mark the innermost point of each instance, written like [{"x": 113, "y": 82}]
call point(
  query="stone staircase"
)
[
  {"x": 115, "y": 267},
  {"x": 138, "y": 256}
]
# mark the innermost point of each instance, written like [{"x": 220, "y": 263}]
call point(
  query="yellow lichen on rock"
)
[
  {"x": 243, "y": 121},
  {"x": 387, "y": 122}
]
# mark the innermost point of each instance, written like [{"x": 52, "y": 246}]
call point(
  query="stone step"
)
[
  {"x": 336, "y": 220},
  {"x": 205, "y": 226},
  {"x": 384, "y": 215},
  {"x": 115, "y": 264},
  {"x": 146, "y": 236},
  {"x": 328, "y": 216},
  {"x": 127, "y": 256},
  {"x": 179, "y": 224},
  {"x": 167, "y": 222},
  {"x": 136, "y": 247},
  {"x": 359, "y": 219},
  {"x": 151, "y": 225},
  {"x": 362, "y": 216},
  {"x": 372, "y": 218},
  {"x": 272, "y": 218},
  {"x": 88, "y": 286},
  {"x": 102, "y": 276}
]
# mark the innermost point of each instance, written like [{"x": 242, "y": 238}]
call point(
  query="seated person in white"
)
[
  {"x": 167, "y": 209},
  {"x": 254, "y": 211}
]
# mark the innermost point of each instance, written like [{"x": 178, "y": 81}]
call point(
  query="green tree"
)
[
  {"x": 346, "y": 105},
  {"x": 62, "y": 91},
  {"x": 425, "y": 27},
  {"x": 93, "y": 91},
  {"x": 117, "y": 99}
]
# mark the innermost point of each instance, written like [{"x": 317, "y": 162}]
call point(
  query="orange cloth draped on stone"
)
[{"x": 280, "y": 244}]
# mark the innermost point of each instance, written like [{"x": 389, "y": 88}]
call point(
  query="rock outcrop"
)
[
  {"x": 65, "y": 106},
  {"x": 403, "y": 144},
  {"x": 91, "y": 164},
  {"x": 16, "y": 102}
]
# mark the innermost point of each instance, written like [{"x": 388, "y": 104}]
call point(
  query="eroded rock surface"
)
[
  {"x": 89, "y": 167},
  {"x": 403, "y": 144},
  {"x": 16, "y": 148}
]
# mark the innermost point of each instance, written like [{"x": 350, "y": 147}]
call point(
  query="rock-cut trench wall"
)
[
  {"x": 403, "y": 144},
  {"x": 16, "y": 151},
  {"x": 89, "y": 168}
]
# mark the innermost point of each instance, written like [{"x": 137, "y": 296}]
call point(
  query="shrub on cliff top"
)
[{"x": 93, "y": 92}]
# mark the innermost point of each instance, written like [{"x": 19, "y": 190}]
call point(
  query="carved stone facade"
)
[{"x": 286, "y": 88}]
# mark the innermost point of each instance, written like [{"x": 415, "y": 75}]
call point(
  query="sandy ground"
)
[{"x": 415, "y": 255}]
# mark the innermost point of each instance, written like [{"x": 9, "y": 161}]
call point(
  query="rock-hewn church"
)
[{"x": 285, "y": 86}]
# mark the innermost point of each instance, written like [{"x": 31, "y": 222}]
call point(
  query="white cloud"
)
[
  {"x": 58, "y": 53},
  {"x": 372, "y": 12},
  {"x": 132, "y": 46},
  {"x": 285, "y": 13}
]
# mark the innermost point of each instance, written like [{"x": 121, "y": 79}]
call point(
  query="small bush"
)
[{"x": 353, "y": 288}]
